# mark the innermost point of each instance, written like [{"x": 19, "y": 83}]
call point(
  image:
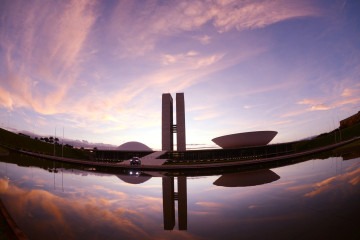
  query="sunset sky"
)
[{"x": 98, "y": 68}]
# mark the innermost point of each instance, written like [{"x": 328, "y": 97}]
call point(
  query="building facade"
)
[{"x": 168, "y": 127}]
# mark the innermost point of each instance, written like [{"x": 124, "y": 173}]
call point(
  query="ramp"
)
[{"x": 150, "y": 159}]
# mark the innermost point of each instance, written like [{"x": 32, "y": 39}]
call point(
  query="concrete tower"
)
[
  {"x": 168, "y": 127},
  {"x": 180, "y": 122},
  {"x": 167, "y": 123}
]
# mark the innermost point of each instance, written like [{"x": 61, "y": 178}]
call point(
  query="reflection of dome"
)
[
  {"x": 134, "y": 179},
  {"x": 246, "y": 139},
  {"x": 134, "y": 146},
  {"x": 246, "y": 179}
]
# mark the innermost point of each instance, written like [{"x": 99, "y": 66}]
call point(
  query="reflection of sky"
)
[
  {"x": 308, "y": 200},
  {"x": 98, "y": 68}
]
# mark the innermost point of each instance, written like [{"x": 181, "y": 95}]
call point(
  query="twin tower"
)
[{"x": 168, "y": 126}]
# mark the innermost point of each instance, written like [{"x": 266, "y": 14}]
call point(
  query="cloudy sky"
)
[{"x": 98, "y": 68}]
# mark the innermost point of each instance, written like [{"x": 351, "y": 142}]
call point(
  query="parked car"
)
[{"x": 135, "y": 161}]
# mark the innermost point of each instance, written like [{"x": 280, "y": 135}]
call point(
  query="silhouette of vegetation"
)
[
  {"x": 45, "y": 146},
  {"x": 332, "y": 137},
  {"x": 3, "y": 151}
]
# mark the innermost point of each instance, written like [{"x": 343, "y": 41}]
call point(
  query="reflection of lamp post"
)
[
  {"x": 169, "y": 198},
  {"x": 62, "y": 177},
  {"x": 54, "y": 171},
  {"x": 62, "y": 145}
]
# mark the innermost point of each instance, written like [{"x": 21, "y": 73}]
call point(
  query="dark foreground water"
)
[{"x": 313, "y": 199}]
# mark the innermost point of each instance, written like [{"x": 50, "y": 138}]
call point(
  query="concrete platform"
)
[{"x": 151, "y": 163}]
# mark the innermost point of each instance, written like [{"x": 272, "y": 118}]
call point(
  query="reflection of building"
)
[
  {"x": 168, "y": 126},
  {"x": 169, "y": 198},
  {"x": 246, "y": 179}
]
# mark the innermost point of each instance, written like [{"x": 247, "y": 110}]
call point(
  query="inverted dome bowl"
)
[{"x": 246, "y": 139}]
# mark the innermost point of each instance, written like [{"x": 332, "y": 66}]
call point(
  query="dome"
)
[
  {"x": 134, "y": 179},
  {"x": 134, "y": 146},
  {"x": 246, "y": 139}
]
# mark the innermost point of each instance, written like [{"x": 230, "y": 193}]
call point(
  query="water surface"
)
[{"x": 313, "y": 199}]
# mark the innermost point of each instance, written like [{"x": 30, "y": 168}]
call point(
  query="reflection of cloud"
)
[
  {"x": 51, "y": 213},
  {"x": 210, "y": 204},
  {"x": 327, "y": 185},
  {"x": 117, "y": 194},
  {"x": 4, "y": 184},
  {"x": 254, "y": 206},
  {"x": 271, "y": 219}
]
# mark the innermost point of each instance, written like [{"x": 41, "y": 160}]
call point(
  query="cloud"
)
[
  {"x": 192, "y": 59},
  {"x": 277, "y": 123},
  {"x": 347, "y": 97},
  {"x": 5, "y": 99},
  {"x": 258, "y": 14},
  {"x": 72, "y": 59},
  {"x": 314, "y": 105},
  {"x": 204, "y": 39},
  {"x": 208, "y": 114},
  {"x": 43, "y": 51},
  {"x": 348, "y": 92},
  {"x": 319, "y": 107},
  {"x": 137, "y": 28}
]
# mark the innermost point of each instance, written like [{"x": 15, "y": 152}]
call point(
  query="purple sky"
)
[{"x": 98, "y": 68}]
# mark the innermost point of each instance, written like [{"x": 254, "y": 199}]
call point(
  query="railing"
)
[{"x": 220, "y": 155}]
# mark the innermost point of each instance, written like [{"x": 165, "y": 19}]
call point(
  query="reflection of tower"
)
[
  {"x": 169, "y": 197},
  {"x": 168, "y": 126},
  {"x": 168, "y": 202},
  {"x": 182, "y": 203}
]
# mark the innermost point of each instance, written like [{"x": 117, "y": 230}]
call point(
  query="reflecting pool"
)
[{"x": 311, "y": 199}]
